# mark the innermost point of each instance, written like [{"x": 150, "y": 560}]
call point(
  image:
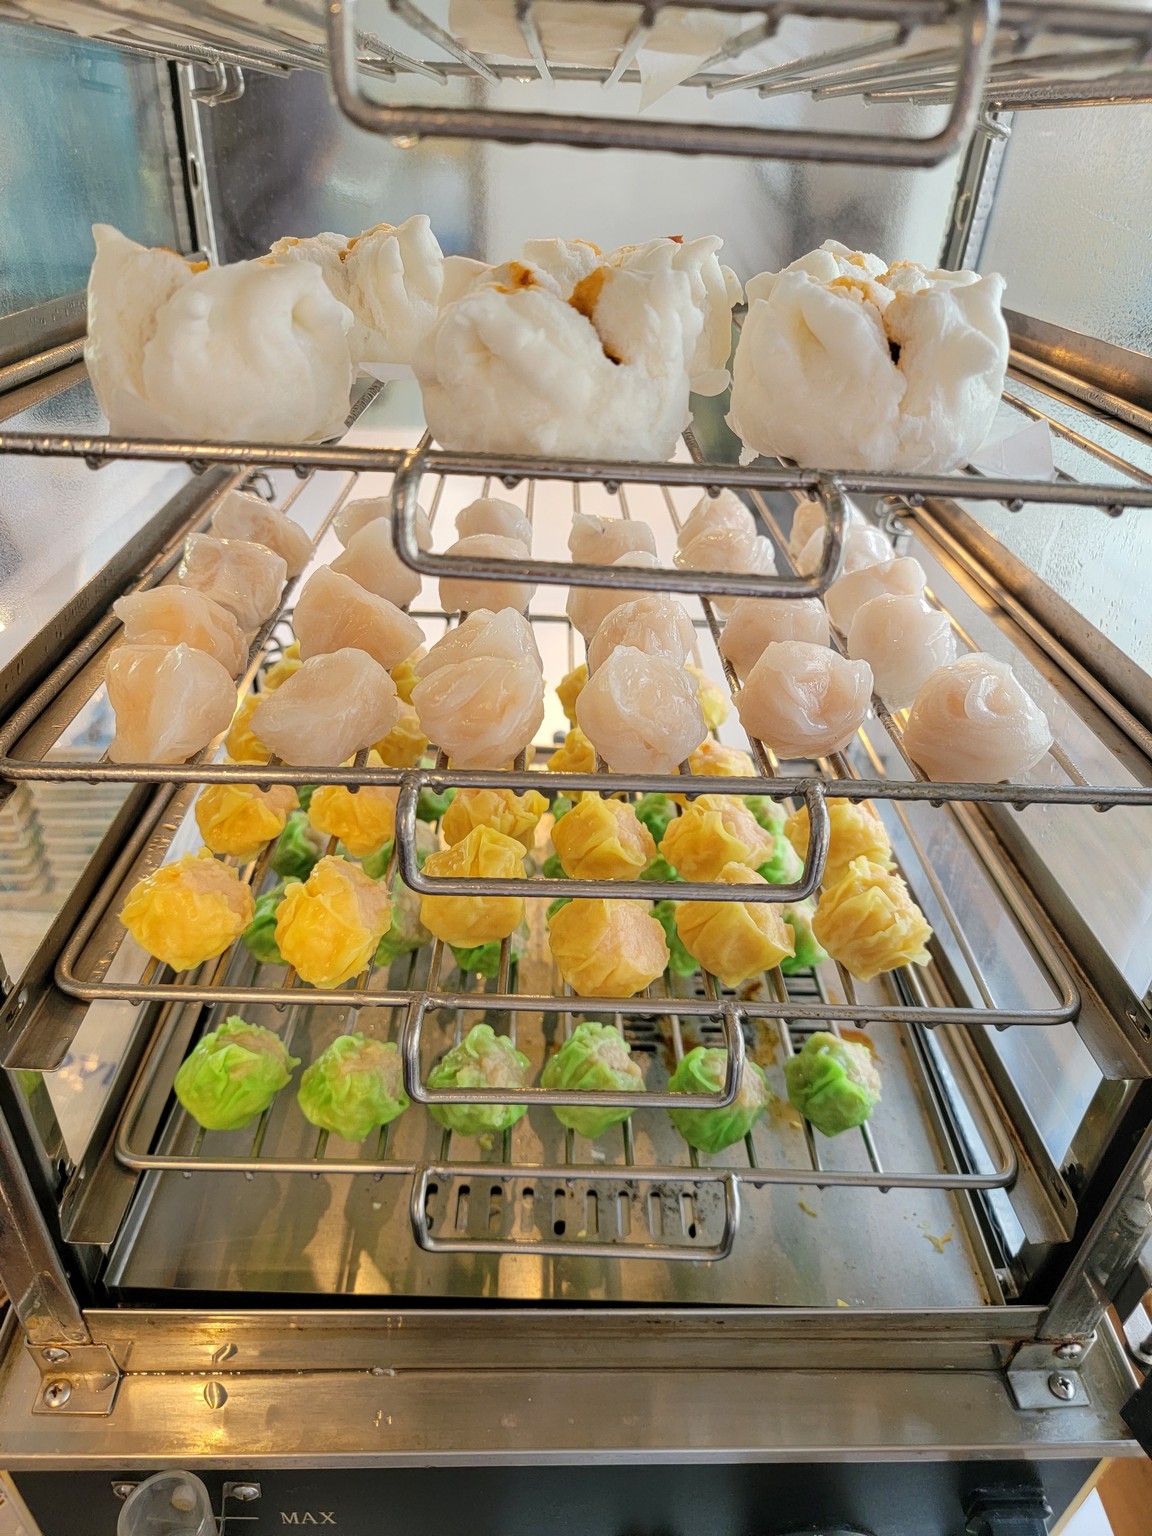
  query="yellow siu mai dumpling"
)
[
  {"x": 280, "y": 671},
  {"x": 503, "y": 810},
  {"x": 237, "y": 820},
  {"x": 714, "y": 702},
  {"x": 715, "y": 760},
  {"x": 568, "y": 690},
  {"x": 577, "y": 755},
  {"x": 735, "y": 940},
  {"x": 363, "y": 821},
  {"x": 188, "y": 911},
  {"x": 607, "y": 948},
  {"x": 468, "y": 921},
  {"x": 712, "y": 831},
  {"x": 405, "y": 744},
  {"x": 856, "y": 832},
  {"x": 242, "y": 743},
  {"x": 869, "y": 922},
  {"x": 602, "y": 840},
  {"x": 405, "y": 675},
  {"x": 329, "y": 925}
]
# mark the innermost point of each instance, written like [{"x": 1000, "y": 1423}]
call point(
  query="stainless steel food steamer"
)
[{"x": 930, "y": 1326}]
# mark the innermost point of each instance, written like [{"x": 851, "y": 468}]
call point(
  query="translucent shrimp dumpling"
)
[
  {"x": 328, "y": 710},
  {"x": 656, "y": 625},
  {"x": 728, "y": 551},
  {"x": 602, "y": 540},
  {"x": 172, "y": 615},
  {"x": 902, "y": 577},
  {"x": 461, "y": 594},
  {"x": 245, "y": 578},
  {"x": 169, "y": 701},
  {"x": 755, "y": 622},
  {"x": 588, "y": 607},
  {"x": 481, "y": 691},
  {"x": 369, "y": 509},
  {"x": 712, "y": 513},
  {"x": 490, "y": 514},
  {"x": 804, "y": 700},
  {"x": 972, "y": 722},
  {"x": 863, "y": 545},
  {"x": 371, "y": 561},
  {"x": 333, "y": 612},
  {"x": 903, "y": 640},
  {"x": 243, "y": 516},
  {"x": 641, "y": 713}
]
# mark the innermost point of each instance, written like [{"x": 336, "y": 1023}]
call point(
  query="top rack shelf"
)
[{"x": 977, "y": 57}]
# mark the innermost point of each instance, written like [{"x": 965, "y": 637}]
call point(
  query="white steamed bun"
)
[
  {"x": 255, "y": 351},
  {"x": 713, "y": 291},
  {"x": 845, "y": 363},
  {"x": 511, "y": 366}
]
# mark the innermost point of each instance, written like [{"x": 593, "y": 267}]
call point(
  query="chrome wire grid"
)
[
  {"x": 609, "y": 1198},
  {"x": 976, "y": 56}
]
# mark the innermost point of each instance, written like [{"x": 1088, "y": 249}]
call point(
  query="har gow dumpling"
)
[
  {"x": 173, "y": 615},
  {"x": 169, "y": 701},
  {"x": 809, "y": 518},
  {"x": 641, "y": 713},
  {"x": 903, "y": 577},
  {"x": 333, "y": 613},
  {"x": 656, "y": 625},
  {"x": 331, "y": 708},
  {"x": 245, "y": 578},
  {"x": 755, "y": 622},
  {"x": 489, "y": 514},
  {"x": 506, "y": 635},
  {"x": 480, "y": 697},
  {"x": 460, "y": 594},
  {"x": 588, "y": 607},
  {"x": 804, "y": 700},
  {"x": 712, "y": 513},
  {"x": 730, "y": 551},
  {"x": 903, "y": 640},
  {"x": 358, "y": 514},
  {"x": 371, "y": 561},
  {"x": 243, "y": 516},
  {"x": 972, "y": 722},
  {"x": 602, "y": 540},
  {"x": 863, "y": 545}
]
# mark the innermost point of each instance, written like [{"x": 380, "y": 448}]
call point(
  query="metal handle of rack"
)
[
  {"x": 727, "y": 1010},
  {"x": 641, "y": 890},
  {"x": 976, "y": 20},
  {"x": 628, "y": 1182},
  {"x": 568, "y": 573}
]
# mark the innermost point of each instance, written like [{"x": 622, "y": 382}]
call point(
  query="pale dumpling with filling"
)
[
  {"x": 328, "y": 710},
  {"x": 371, "y": 561},
  {"x": 903, "y": 640},
  {"x": 863, "y": 545},
  {"x": 656, "y": 625},
  {"x": 602, "y": 540},
  {"x": 333, "y": 612},
  {"x": 588, "y": 607},
  {"x": 713, "y": 290},
  {"x": 243, "y": 516},
  {"x": 480, "y": 697},
  {"x": 901, "y": 577},
  {"x": 169, "y": 701},
  {"x": 358, "y": 514},
  {"x": 173, "y": 615},
  {"x": 460, "y": 594},
  {"x": 712, "y": 513},
  {"x": 392, "y": 275},
  {"x": 972, "y": 722},
  {"x": 245, "y": 578},
  {"x": 491, "y": 514},
  {"x": 809, "y": 518},
  {"x": 755, "y": 622},
  {"x": 804, "y": 700},
  {"x": 728, "y": 551},
  {"x": 641, "y": 713}
]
